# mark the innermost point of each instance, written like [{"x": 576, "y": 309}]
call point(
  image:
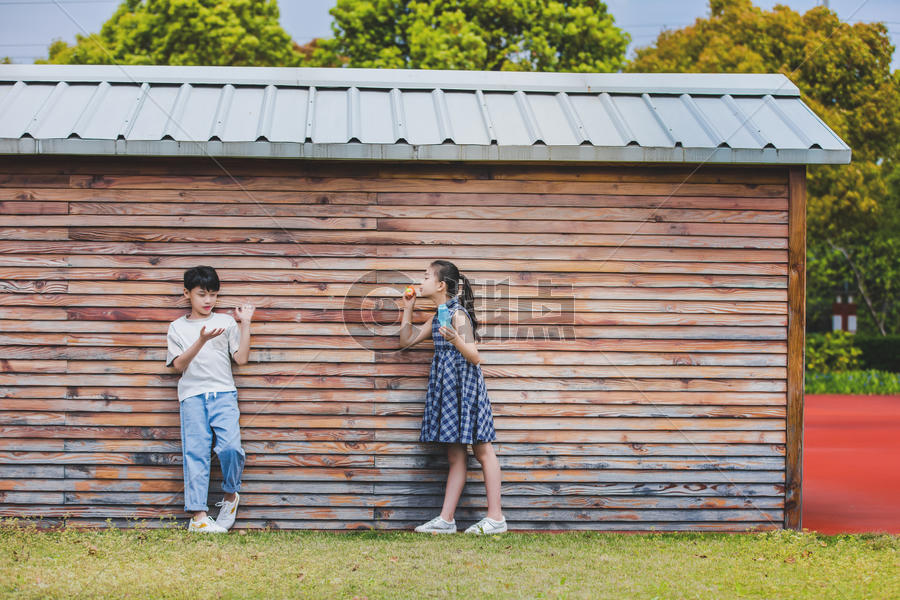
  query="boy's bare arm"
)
[
  {"x": 244, "y": 315},
  {"x": 182, "y": 361}
]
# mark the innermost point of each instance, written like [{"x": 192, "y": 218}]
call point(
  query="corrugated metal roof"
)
[{"x": 409, "y": 114}]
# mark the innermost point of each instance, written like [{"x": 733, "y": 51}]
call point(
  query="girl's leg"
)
[
  {"x": 456, "y": 479},
  {"x": 484, "y": 452}
]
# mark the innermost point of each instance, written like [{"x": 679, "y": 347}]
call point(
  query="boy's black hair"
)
[{"x": 203, "y": 277}]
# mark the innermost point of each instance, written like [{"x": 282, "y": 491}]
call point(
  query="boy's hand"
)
[
  {"x": 208, "y": 335},
  {"x": 244, "y": 313}
]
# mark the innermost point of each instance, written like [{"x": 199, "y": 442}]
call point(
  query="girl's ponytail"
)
[
  {"x": 458, "y": 286},
  {"x": 467, "y": 297}
]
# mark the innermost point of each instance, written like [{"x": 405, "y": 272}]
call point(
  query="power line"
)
[{"x": 31, "y": 2}]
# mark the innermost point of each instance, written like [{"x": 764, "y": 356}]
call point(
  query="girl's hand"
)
[
  {"x": 410, "y": 300},
  {"x": 450, "y": 334},
  {"x": 208, "y": 335},
  {"x": 244, "y": 313}
]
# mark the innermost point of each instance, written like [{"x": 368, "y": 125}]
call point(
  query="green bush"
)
[
  {"x": 853, "y": 382},
  {"x": 831, "y": 352},
  {"x": 879, "y": 352}
]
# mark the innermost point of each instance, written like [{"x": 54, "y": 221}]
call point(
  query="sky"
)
[{"x": 28, "y": 26}]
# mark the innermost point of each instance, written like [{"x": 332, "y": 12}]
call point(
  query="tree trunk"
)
[{"x": 860, "y": 286}]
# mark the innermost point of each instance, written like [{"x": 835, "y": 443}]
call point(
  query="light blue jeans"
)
[{"x": 200, "y": 416}]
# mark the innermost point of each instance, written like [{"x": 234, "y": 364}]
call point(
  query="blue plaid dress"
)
[{"x": 457, "y": 408}]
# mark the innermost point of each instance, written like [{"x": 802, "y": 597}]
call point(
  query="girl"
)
[{"x": 457, "y": 408}]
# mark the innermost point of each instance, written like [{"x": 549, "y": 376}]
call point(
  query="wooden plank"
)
[
  {"x": 578, "y": 227},
  {"x": 134, "y": 294},
  {"x": 251, "y": 498},
  {"x": 409, "y": 462},
  {"x": 31, "y": 498},
  {"x": 589, "y": 515},
  {"x": 39, "y": 179},
  {"x": 143, "y": 268},
  {"x": 174, "y": 472},
  {"x": 12, "y": 232},
  {"x": 523, "y": 357},
  {"x": 267, "y": 273},
  {"x": 359, "y": 184},
  {"x": 173, "y": 433},
  {"x": 608, "y": 384},
  {"x": 581, "y": 462},
  {"x": 274, "y": 345},
  {"x": 663, "y": 213},
  {"x": 702, "y": 332},
  {"x": 718, "y": 174},
  {"x": 680, "y": 424},
  {"x": 622, "y": 172},
  {"x": 176, "y": 196},
  {"x": 563, "y": 200},
  {"x": 253, "y": 460},
  {"x": 151, "y": 512},
  {"x": 406, "y": 436},
  {"x": 596, "y": 437},
  {"x": 102, "y": 197},
  {"x": 620, "y": 383},
  {"x": 474, "y": 491},
  {"x": 408, "y": 251},
  {"x": 8, "y": 207},
  {"x": 494, "y": 324},
  {"x": 370, "y": 369},
  {"x": 176, "y": 221},
  {"x": 399, "y": 448},
  {"x": 796, "y": 343},
  {"x": 223, "y": 240},
  {"x": 500, "y": 409},
  {"x": 322, "y": 525},
  {"x": 327, "y": 295},
  {"x": 436, "y": 232},
  {"x": 162, "y": 485},
  {"x": 8, "y": 286},
  {"x": 411, "y": 514},
  {"x": 603, "y": 489},
  {"x": 111, "y": 394}
]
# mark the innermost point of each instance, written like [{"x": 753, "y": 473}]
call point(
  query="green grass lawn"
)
[{"x": 168, "y": 563}]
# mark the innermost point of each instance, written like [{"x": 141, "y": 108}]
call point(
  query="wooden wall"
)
[{"x": 662, "y": 406}]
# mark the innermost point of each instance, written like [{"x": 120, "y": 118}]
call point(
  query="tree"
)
[
  {"x": 490, "y": 35},
  {"x": 185, "y": 32},
  {"x": 843, "y": 73}
]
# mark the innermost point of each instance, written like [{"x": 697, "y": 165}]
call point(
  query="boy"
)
[{"x": 201, "y": 347}]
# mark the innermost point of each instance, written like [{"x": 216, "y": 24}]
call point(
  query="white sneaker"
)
[
  {"x": 206, "y": 525},
  {"x": 228, "y": 513},
  {"x": 437, "y": 525},
  {"x": 487, "y": 526}
]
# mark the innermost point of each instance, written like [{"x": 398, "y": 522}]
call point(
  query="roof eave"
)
[{"x": 432, "y": 152}]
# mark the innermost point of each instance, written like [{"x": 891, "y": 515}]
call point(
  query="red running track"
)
[{"x": 851, "y": 464}]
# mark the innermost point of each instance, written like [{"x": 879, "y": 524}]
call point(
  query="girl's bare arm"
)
[
  {"x": 462, "y": 337},
  {"x": 410, "y": 335}
]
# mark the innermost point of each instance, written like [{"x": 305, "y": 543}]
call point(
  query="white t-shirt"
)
[{"x": 210, "y": 371}]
